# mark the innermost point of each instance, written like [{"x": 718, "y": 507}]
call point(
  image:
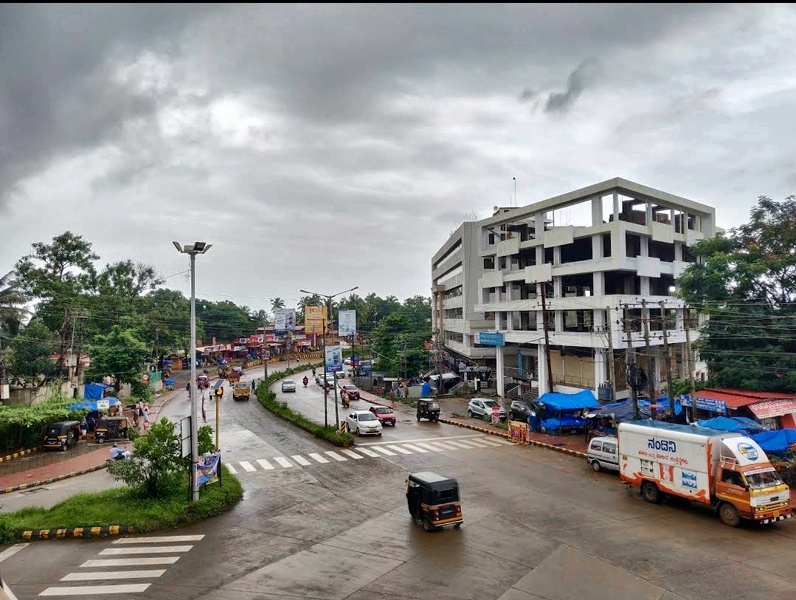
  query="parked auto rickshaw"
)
[
  {"x": 61, "y": 435},
  {"x": 111, "y": 428},
  {"x": 235, "y": 373},
  {"x": 434, "y": 500},
  {"x": 427, "y": 408}
]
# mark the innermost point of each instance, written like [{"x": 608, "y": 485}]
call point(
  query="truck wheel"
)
[
  {"x": 427, "y": 525},
  {"x": 595, "y": 464},
  {"x": 650, "y": 492},
  {"x": 729, "y": 515}
]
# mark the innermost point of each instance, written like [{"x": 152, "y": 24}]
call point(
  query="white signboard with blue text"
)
[
  {"x": 333, "y": 361},
  {"x": 285, "y": 319},
  {"x": 489, "y": 338},
  {"x": 347, "y": 322}
]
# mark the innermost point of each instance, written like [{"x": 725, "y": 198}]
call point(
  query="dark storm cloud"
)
[{"x": 577, "y": 81}]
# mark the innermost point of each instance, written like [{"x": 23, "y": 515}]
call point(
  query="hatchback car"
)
[
  {"x": 481, "y": 407},
  {"x": 383, "y": 414},
  {"x": 363, "y": 422},
  {"x": 519, "y": 411},
  {"x": 349, "y": 390},
  {"x": 288, "y": 385}
]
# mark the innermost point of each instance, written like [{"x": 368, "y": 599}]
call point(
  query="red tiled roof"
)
[{"x": 733, "y": 398}]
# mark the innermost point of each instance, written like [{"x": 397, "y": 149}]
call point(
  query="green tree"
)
[
  {"x": 167, "y": 321},
  {"x": 399, "y": 346},
  {"x": 418, "y": 310},
  {"x": 120, "y": 354},
  {"x": 745, "y": 281},
  {"x": 277, "y": 303},
  {"x": 224, "y": 320},
  {"x": 156, "y": 463},
  {"x": 30, "y": 354},
  {"x": 12, "y": 309}
]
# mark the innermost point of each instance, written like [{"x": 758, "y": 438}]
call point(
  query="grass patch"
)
[
  {"x": 123, "y": 506},
  {"x": 268, "y": 399}
]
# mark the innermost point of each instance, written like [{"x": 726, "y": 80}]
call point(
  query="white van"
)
[{"x": 603, "y": 453}]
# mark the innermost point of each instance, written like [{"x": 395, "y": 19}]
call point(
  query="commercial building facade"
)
[{"x": 571, "y": 290}]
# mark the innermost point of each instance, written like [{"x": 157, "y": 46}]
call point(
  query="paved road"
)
[{"x": 538, "y": 524}]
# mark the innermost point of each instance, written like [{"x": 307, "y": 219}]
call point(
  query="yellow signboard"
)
[
  {"x": 314, "y": 319},
  {"x": 518, "y": 432}
]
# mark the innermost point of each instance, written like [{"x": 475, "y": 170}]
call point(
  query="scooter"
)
[
  {"x": 305, "y": 381},
  {"x": 345, "y": 401}
]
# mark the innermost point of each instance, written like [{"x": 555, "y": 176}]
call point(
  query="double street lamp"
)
[
  {"x": 192, "y": 250},
  {"x": 328, "y": 299}
]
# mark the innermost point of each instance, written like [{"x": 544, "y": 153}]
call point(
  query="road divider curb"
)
[
  {"x": 19, "y": 454},
  {"x": 73, "y": 532},
  {"x": 32, "y": 484}
]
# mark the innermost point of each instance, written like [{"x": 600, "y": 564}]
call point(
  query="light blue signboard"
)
[
  {"x": 489, "y": 338},
  {"x": 706, "y": 404}
]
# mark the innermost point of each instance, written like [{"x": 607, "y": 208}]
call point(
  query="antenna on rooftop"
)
[{"x": 515, "y": 191}]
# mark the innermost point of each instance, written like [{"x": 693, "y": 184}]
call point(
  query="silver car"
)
[
  {"x": 288, "y": 385},
  {"x": 481, "y": 407}
]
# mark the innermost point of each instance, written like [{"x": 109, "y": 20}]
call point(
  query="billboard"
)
[
  {"x": 333, "y": 360},
  {"x": 347, "y": 322},
  {"x": 284, "y": 319},
  {"x": 314, "y": 319}
]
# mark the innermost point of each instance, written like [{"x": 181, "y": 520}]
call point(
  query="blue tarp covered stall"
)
[
  {"x": 740, "y": 424},
  {"x": 775, "y": 442},
  {"x": 564, "y": 411},
  {"x": 94, "y": 391},
  {"x": 91, "y": 405}
]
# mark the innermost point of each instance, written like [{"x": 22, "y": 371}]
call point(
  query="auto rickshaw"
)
[
  {"x": 235, "y": 373},
  {"x": 61, "y": 435},
  {"x": 434, "y": 500},
  {"x": 111, "y": 428},
  {"x": 428, "y": 408}
]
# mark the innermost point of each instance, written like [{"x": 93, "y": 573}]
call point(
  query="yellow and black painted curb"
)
[
  {"x": 32, "y": 484},
  {"x": 506, "y": 435},
  {"x": 16, "y": 455},
  {"x": 73, "y": 532}
]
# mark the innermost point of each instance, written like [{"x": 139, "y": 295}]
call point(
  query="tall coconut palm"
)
[
  {"x": 12, "y": 309},
  {"x": 277, "y": 303}
]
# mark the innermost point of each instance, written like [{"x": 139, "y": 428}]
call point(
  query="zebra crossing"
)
[
  {"x": 124, "y": 561},
  {"x": 377, "y": 450}
]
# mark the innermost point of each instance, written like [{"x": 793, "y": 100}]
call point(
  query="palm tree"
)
[
  {"x": 12, "y": 311},
  {"x": 277, "y": 303}
]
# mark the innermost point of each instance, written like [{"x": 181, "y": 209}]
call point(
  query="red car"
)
[
  {"x": 350, "y": 390},
  {"x": 384, "y": 415}
]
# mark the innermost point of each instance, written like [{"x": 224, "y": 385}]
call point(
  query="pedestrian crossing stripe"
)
[{"x": 371, "y": 450}]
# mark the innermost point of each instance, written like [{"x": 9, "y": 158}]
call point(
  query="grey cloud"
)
[
  {"x": 577, "y": 81},
  {"x": 527, "y": 94}
]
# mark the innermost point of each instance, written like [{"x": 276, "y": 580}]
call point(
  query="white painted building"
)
[{"x": 605, "y": 257}]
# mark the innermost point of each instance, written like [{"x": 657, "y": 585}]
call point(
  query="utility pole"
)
[
  {"x": 263, "y": 353},
  {"x": 690, "y": 366},
  {"x": 667, "y": 357},
  {"x": 546, "y": 339},
  {"x": 632, "y": 368},
  {"x": 645, "y": 320},
  {"x": 609, "y": 330}
]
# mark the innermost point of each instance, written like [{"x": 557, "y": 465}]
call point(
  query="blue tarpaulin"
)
[
  {"x": 775, "y": 441},
  {"x": 556, "y": 401},
  {"x": 740, "y": 424},
  {"x": 91, "y": 405},
  {"x": 94, "y": 391}
]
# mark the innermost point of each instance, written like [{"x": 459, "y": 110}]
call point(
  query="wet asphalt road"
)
[{"x": 538, "y": 524}]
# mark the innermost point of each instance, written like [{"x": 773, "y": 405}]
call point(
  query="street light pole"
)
[
  {"x": 192, "y": 250},
  {"x": 326, "y": 391}
]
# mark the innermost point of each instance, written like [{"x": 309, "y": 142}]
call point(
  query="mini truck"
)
[{"x": 727, "y": 471}]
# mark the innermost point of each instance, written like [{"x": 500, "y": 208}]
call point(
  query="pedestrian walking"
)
[
  {"x": 253, "y": 385},
  {"x": 204, "y": 414}
]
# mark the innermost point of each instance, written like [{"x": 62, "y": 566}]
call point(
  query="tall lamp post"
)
[
  {"x": 325, "y": 389},
  {"x": 192, "y": 250}
]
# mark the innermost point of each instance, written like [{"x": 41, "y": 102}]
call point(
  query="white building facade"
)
[{"x": 575, "y": 288}]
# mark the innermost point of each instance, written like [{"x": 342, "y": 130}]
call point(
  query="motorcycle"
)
[
  {"x": 345, "y": 401},
  {"x": 305, "y": 381}
]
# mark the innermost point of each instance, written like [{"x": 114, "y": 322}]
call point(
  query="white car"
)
[
  {"x": 363, "y": 422},
  {"x": 288, "y": 385},
  {"x": 480, "y": 407}
]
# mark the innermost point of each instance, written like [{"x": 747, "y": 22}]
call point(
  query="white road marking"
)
[
  {"x": 130, "y": 562},
  {"x": 335, "y": 456},
  {"x": 265, "y": 464},
  {"x": 102, "y": 575},
  {"x": 446, "y": 445},
  {"x": 9, "y": 552},
  {"x": 431, "y": 447},
  {"x": 6, "y": 591},
  {"x": 492, "y": 442},
  {"x": 367, "y": 452},
  {"x": 96, "y": 590},
  {"x": 478, "y": 443},
  {"x": 247, "y": 466},
  {"x": 384, "y": 451},
  {"x": 158, "y": 539},
  {"x": 399, "y": 449},
  {"x": 431, "y": 439},
  {"x": 152, "y": 550},
  {"x": 231, "y": 468},
  {"x": 301, "y": 460},
  {"x": 416, "y": 448},
  {"x": 352, "y": 454},
  {"x": 462, "y": 445},
  {"x": 318, "y": 458},
  {"x": 283, "y": 461}
]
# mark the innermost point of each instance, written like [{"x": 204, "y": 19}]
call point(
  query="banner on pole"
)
[
  {"x": 207, "y": 469},
  {"x": 333, "y": 361},
  {"x": 347, "y": 322}
]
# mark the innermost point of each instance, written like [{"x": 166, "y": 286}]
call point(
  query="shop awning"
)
[{"x": 773, "y": 408}]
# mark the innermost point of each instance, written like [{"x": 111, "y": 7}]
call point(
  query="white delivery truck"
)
[{"x": 727, "y": 471}]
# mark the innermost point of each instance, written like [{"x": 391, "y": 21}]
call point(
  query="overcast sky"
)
[{"x": 328, "y": 146}]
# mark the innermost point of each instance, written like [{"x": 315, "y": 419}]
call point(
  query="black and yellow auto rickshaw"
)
[
  {"x": 433, "y": 500},
  {"x": 111, "y": 428},
  {"x": 62, "y": 435},
  {"x": 428, "y": 408}
]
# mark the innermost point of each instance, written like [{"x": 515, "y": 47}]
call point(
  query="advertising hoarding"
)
[
  {"x": 285, "y": 319},
  {"x": 333, "y": 361},
  {"x": 314, "y": 319},
  {"x": 347, "y": 322}
]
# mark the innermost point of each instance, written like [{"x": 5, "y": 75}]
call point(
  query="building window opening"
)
[
  {"x": 489, "y": 263},
  {"x": 632, "y": 245},
  {"x": 662, "y": 251},
  {"x": 577, "y": 251},
  {"x": 621, "y": 283},
  {"x": 606, "y": 245}
]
